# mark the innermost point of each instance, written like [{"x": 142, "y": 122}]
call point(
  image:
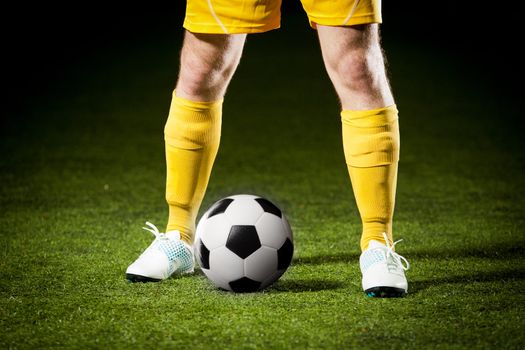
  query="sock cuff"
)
[
  {"x": 193, "y": 124},
  {"x": 195, "y": 106},
  {"x": 370, "y": 118},
  {"x": 371, "y": 138}
]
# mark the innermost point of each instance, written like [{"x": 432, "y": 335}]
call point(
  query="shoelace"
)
[
  {"x": 399, "y": 260},
  {"x": 153, "y": 229},
  {"x": 159, "y": 235}
]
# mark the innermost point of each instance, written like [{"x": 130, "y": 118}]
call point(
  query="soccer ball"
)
[{"x": 243, "y": 243}]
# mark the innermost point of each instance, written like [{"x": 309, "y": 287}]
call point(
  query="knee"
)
[
  {"x": 199, "y": 77},
  {"x": 358, "y": 69},
  {"x": 207, "y": 65}
]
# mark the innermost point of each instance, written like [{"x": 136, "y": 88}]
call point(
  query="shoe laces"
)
[
  {"x": 179, "y": 254},
  {"x": 398, "y": 260},
  {"x": 159, "y": 235}
]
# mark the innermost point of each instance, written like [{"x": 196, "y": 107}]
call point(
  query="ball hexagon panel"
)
[
  {"x": 261, "y": 264},
  {"x": 243, "y": 196},
  {"x": 217, "y": 279},
  {"x": 213, "y": 231},
  {"x": 287, "y": 228},
  {"x": 243, "y": 240},
  {"x": 225, "y": 263},
  {"x": 274, "y": 232},
  {"x": 243, "y": 210}
]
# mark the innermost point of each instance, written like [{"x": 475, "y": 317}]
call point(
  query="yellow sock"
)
[
  {"x": 192, "y": 135},
  {"x": 371, "y": 145}
]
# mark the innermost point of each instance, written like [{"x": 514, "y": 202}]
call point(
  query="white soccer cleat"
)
[
  {"x": 166, "y": 255},
  {"x": 383, "y": 270}
]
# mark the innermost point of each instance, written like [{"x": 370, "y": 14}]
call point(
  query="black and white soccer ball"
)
[{"x": 243, "y": 243}]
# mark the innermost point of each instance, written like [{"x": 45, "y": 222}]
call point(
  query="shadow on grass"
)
[
  {"x": 498, "y": 251},
  {"x": 311, "y": 285},
  {"x": 493, "y": 276},
  {"x": 326, "y": 258},
  {"x": 495, "y": 251}
]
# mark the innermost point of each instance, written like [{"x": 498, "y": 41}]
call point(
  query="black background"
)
[{"x": 40, "y": 40}]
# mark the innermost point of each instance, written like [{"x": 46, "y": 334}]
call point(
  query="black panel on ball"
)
[
  {"x": 284, "y": 255},
  {"x": 204, "y": 255},
  {"x": 243, "y": 240},
  {"x": 269, "y": 207},
  {"x": 244, "y": 285},
  {"x": 219, "y": 207}
]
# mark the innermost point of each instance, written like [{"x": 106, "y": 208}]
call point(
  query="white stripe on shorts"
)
[
  {"x": 217, "y": 18},
  {"x": 351, "y": 13}
]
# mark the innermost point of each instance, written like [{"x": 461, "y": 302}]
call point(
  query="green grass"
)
[{"x": 82, "y": 168}]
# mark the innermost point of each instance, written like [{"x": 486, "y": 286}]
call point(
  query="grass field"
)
[{"x": 82, "y": 169}]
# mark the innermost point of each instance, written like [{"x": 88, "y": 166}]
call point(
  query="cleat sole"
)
[
  {"x": 385, "y": 292},
  {"x": 138, "y": 278}
]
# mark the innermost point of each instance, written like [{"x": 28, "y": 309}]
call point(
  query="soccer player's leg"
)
[
  {"x": 216, "y": 32},
  {"x": 192, "y": 135},
  {"x": 354, "y": 61}
]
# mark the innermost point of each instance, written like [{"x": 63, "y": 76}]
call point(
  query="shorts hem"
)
[
  {"x": 217, "y": 29},
  {"x": 339, "y": 21}
]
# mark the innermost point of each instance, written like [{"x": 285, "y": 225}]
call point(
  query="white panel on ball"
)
[
  {"x": 261, "y": 264},
  {"x": 216, "y": 278},
  {"x": 244, "y": 210},
  {"x": 287, "y": 228},
  {"x": 217, "y": 229},
  {"x": 226, "y": 264},
  {"x": 272, "y": 233}
]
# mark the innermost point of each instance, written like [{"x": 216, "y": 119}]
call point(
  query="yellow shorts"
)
[{"x": 257, "y": 16}]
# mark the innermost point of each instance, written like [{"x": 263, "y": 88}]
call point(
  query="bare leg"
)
[
  {"x": 192, "y": 132},
  {"x": 207, "y": 64},
  {"x": 354, "y": 62}
]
